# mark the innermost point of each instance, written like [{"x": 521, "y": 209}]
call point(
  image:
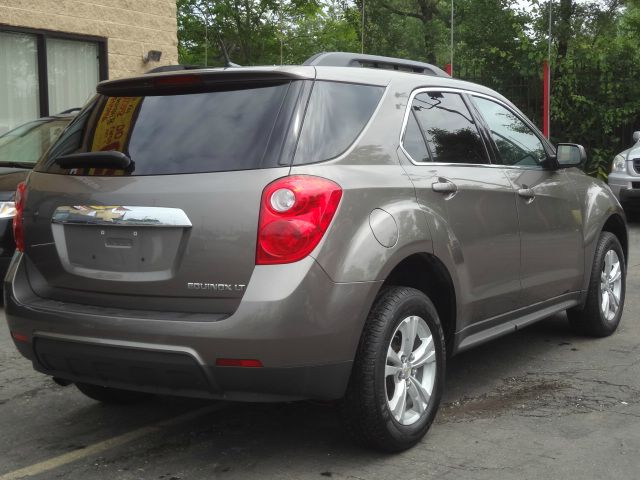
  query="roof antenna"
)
[{"x": 227, "y": 60}]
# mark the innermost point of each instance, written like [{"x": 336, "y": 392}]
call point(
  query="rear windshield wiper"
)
[{"x": 108, "y": 159}]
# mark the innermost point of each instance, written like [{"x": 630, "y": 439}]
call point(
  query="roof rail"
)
[{"x": 345, "y": 59}]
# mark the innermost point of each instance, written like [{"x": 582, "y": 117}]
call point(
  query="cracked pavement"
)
[{"x": 540, "y": 403}]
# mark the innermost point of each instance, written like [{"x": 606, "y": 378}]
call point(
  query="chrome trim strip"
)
[{"x": 121, "y": 215}]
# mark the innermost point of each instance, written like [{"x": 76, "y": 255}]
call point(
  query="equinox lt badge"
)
[{"x": 218, "y": 287}]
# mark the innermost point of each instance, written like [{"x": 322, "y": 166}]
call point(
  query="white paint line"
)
[{"x": 105, "y": 445}]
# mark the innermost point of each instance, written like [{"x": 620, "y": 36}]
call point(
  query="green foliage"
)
[
  {"x": 328, "y": 29},
  {"x": 596, "y": 97},
  {"x": 595, "y": 59},
  {"x": 261, "y": 32},
  {"x": 600, "y": 163}
]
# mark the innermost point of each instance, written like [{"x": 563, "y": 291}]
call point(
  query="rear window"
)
[
  {"x": 336, "y": 115},
  {"x": 222, "y": 130}
]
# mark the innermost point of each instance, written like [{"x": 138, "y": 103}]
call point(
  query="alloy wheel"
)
[
  {"x": 610, "y": 285},
  {"x": 410, "y": 372}
]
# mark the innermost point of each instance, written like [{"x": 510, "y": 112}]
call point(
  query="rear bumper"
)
[
  {"x": 180, "y": 373},
  {"x": 303, "y": 328}
]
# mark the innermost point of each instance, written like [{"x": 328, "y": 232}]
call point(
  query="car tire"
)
[
  {"x": 372, "y": 405},
  {"x": 597, "y": 318},
  {"x": 110, "y": 395}
]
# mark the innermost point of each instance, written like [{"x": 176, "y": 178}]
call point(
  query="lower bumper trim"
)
[
  {"x": 629, "y": 195},
  {"x": 178, "y": 373}
]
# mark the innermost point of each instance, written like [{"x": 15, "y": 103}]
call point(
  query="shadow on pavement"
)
[{"x": 241, "y": 435}]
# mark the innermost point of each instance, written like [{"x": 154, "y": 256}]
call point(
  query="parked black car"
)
[{"x": 20, "y": 149}]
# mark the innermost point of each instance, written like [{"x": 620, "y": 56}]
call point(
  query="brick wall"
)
[{"x": 131, "y": 27}]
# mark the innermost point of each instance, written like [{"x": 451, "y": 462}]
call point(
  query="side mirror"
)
[
  {"x": 636, "y": 137},
  {"x": 570, "y": 155}
]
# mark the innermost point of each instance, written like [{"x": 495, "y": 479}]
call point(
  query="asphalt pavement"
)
[{"x": 540, "y": 403}]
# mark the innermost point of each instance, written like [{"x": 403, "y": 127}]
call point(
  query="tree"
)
[
  {"x": 248, "y": 31},
  {"x": 426, "y": 11},
  {"x": 499, "y": 43}
]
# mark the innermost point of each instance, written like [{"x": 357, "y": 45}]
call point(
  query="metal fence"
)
[{"x": 605, "y": 129}]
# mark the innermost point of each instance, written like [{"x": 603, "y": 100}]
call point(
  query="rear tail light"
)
[
  {"x": 177, "y": 80},
  {"x": 18, "y": 228},
  {"x": 20, "y": 337},
  {"x": 294, "y": 215}
]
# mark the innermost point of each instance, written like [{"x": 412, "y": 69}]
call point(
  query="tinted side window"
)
[
  {"x": 447, "y": 124},
  {"x": 516, "y": 142},
  {"x": 413, "y": 141},
  {"x": 336, "y": 115}
]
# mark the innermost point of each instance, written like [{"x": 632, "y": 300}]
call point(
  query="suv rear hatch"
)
[{"x": 176, "y": 229}]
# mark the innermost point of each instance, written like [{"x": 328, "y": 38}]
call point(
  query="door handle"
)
[
  {"x": 526, "y": 192},
  {"x": 444, "y": 186}
]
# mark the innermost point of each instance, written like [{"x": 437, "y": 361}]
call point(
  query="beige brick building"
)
[{"x": 53, "y": 52}]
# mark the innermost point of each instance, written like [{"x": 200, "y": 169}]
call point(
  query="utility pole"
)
[
  {"x": 451, "y": 59},
  {"x": 281, "y": 37},
  {"x": 206, "y": 40},
  {"x": 362, "y": 29},
  {"x": 550, "y": 24},
  {"x": 546, "y": 78}
]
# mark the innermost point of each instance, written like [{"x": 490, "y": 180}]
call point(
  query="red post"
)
[
  {"x": 546, "y": 99},
  {"x": 449, "y": 69}
]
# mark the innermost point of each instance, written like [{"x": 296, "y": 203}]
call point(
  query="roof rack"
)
[{"x": 345, "y": 59}]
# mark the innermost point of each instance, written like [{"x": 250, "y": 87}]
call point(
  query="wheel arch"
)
[
  {"x": 616, "y": 224},
  {"x": 427, "y": 273}
]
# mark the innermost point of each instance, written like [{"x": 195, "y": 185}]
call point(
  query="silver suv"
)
[
  {"x": 624, "y": 178},
  {"x": 308, "y": 232}
]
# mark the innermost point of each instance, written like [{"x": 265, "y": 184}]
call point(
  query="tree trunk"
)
[
  {"x": 564, "y": 28},
  {"x": 428, "y": 10},
  {"x": 425, "y": 11}
]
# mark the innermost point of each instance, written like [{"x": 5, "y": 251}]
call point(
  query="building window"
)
[
  {"x": 18, "y": 80},
  {"x": 44, "y": 73}
]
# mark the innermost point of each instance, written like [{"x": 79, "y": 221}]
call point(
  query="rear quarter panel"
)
[
  {"x": 349, "y": 251},
  {"x": 371, "y": 178}
]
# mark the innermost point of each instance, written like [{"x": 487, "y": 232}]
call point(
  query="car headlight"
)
[
  {"x": 619, "y": 164},
  {"x": 7, "y": 209}
]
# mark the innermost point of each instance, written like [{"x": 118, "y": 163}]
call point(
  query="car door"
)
[
  {"x": 470, "y": 204},
  {"x": 552, "y": 258}
]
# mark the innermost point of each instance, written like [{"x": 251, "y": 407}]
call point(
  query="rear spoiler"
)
[{"x": 188, "y": 81}]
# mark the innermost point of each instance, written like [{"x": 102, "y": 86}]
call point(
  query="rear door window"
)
[
  {"x": 222, "y": 130},
  {"x": 449, "y": 129},
  {"x": 413, "y": 140},
  {"x": 336, "y": 114}
]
